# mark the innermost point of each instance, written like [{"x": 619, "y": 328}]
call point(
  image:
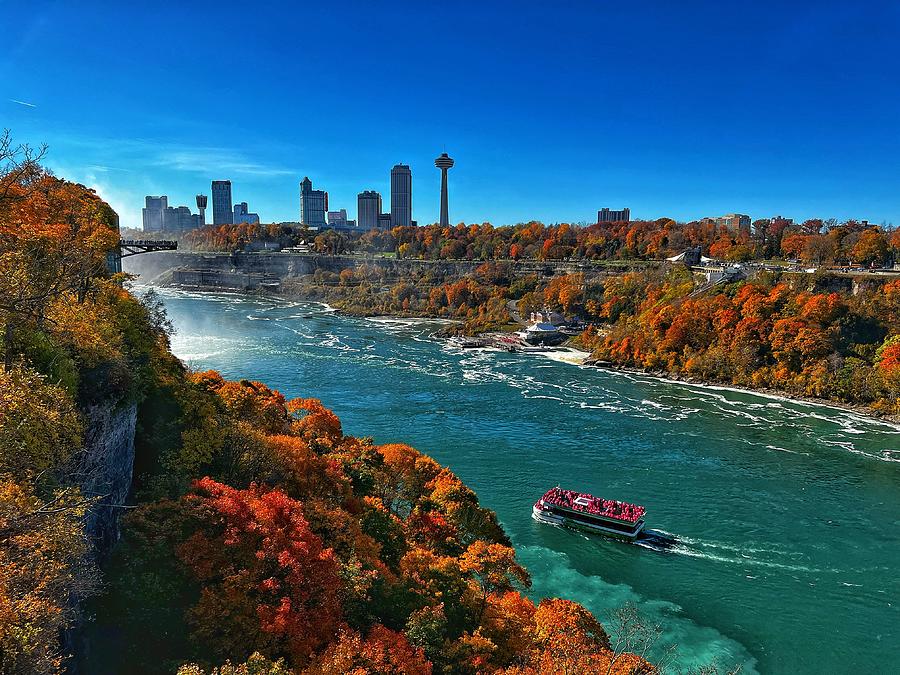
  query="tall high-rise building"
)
[
  {"x": 368, "y": 208},
  {"x": 201, "y": 208},
  {"x": 444, "y": 163},
  {"x": 401, "y": 196},
  {"x": 605, "y": 215},
  {"x": 153, "y": 212},
  {"x": 242, "y": 214},
  {"x": 221, "y": 198},
  {"x": 313, "y": 204}
]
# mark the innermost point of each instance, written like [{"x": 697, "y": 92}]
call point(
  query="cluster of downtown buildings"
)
[
  {"x": 158, "y": 216},
  {"x": 314, "y": 211},
  {"x": 734, "y": 223}
]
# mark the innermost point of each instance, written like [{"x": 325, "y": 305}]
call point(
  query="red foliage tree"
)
[
  {"x": 382, "y": 652},
  {"x": 268, "y": 584}
]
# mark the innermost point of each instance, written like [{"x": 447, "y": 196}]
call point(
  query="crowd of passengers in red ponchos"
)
[{"x": 595, "y": 505}]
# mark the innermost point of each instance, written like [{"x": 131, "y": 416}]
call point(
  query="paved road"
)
[{"x": 514, "y": 313}]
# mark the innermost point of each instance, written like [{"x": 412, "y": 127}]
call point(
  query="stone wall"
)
[
  {"x": 225, "y": 279},
  {"x": 152, "y": 267}
]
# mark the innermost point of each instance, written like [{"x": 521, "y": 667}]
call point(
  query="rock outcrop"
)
[{"x": 105, "y": 466}]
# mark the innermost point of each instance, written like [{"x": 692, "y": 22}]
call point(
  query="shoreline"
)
[{"x": 860, "y": 409}]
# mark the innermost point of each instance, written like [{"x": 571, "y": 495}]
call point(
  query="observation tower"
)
[
  {"x": 444, "y": 162},
  {"x": 201, "y": 208}
]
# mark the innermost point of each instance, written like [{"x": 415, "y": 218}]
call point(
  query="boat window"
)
[{"x": 603, "y": 522}]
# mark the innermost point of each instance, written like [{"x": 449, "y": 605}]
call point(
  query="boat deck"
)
[{"x": 584, "y": 511}]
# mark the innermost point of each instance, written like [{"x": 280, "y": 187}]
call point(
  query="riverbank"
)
[{"x": 775, "y": 394}]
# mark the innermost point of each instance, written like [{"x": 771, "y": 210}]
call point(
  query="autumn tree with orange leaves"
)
[
  {"x": 54, "y": 240},
  {"x": 757, "y": 333}
]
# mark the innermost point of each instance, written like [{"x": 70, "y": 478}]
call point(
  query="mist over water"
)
[{"x": 786, "y": 513}]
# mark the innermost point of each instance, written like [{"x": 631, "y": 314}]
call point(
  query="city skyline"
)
[
  {"x": 607, "y": 118},
  {"x": 316, "y": 212},
  {"x": 314, "y": 208},
  {"x": 371, "y": 215}
]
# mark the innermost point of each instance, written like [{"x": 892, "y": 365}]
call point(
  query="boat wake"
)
[
  {"x": 666, "y": 542},
  {"x": 725, "y": 553},
  {"x": 657, "y": 540}
]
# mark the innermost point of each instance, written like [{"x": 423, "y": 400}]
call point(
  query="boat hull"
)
[{"x": 561, "y": 520}]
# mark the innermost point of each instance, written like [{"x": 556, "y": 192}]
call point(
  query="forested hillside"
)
[
  {"x": 791, "y": 334},
  {"x": 267, "y": 534},
  {"x": 75, "y": 346}
]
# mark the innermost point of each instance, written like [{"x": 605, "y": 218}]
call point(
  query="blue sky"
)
[{"x": 550, "y": 109}]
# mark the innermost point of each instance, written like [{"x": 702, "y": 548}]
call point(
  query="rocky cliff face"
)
[
  {"x": 106, "y": 465},
  {"x": 153, "y": 268}
]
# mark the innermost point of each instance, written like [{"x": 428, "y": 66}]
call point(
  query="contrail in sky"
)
[{"x": 25, "y": 103}]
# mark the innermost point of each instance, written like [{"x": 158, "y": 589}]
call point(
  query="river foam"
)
[{"x": 696, "y": 645}]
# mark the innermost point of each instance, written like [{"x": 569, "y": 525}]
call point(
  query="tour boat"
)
[{"x": 569, "y": 508}]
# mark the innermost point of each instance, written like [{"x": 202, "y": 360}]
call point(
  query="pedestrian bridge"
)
[{"x": 129, "y": 247}]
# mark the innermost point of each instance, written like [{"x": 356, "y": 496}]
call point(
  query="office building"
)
[
  {"x": 242, "y": 214},
  {"x": 221, "y": 198},
  {"x": 337, "y": 218},
  {"x": 735, "y": 223},
  {"x": 201, "y": 209},
  {"x": 444, "y": 163},
  {"x": 401, "y": 196},
  {"x": 384, "y": 221},
  {"x": 368, "y": 208},
  {"x": 179, "y": 219},
  {"x": 313, "y": 204},
  {"x": 153, "y": 212},
  {"x": 609, "y": 216}
]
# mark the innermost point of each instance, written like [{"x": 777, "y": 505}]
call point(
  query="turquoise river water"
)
[{"x": 787, "y": 514}]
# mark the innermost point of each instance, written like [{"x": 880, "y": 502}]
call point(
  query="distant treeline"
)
[{"x": 813, "y": 241}]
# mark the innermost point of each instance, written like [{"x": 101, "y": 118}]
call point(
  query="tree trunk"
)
[{"x": 7, "y": 346}]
